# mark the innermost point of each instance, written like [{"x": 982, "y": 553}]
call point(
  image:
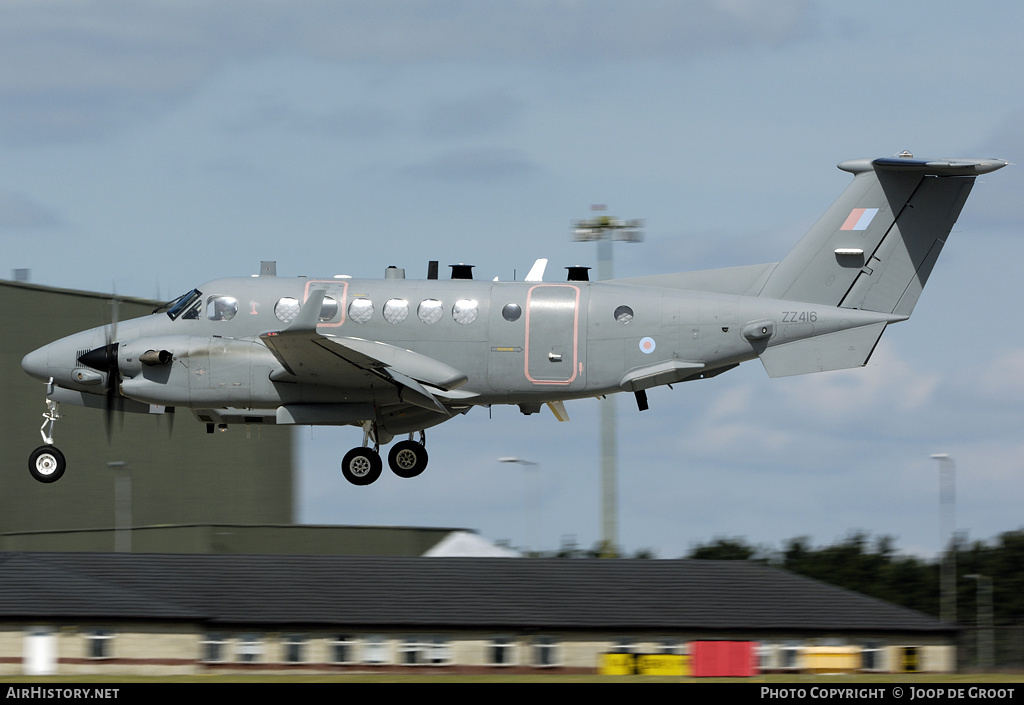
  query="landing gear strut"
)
[
  {"x": 46, "y": 463},
  {"x": 362, "y": 465}
]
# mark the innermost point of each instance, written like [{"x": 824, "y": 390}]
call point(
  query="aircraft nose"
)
[{"x": 37, "y": 363}]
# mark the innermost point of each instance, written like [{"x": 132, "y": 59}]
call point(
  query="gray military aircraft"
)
[{"x": 396, "y": 356}]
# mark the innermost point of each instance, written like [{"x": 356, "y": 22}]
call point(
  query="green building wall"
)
[{"x": 178, "y": 473}]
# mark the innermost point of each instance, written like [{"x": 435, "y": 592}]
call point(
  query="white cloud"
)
[
  {"x": 102, "y": 65},
  {"x": 1002, "y": 379}
]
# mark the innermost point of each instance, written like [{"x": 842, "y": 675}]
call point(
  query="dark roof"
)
[{"x": 438, "y": 593}]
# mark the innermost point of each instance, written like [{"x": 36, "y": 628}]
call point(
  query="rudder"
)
[{"x": 874, "y": 248}]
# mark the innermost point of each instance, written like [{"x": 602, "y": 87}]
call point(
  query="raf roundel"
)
[{"x": 647, "y": 346}]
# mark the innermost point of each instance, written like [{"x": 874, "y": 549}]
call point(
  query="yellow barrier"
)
[
  {"x": 644, "y": 665},
  {"x": 831, "y": 659}
]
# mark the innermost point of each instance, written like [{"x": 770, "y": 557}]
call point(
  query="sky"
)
[{"x": 148, "y": 147}]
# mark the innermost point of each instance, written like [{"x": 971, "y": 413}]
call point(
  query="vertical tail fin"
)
[{"x": 874, "y": 248}]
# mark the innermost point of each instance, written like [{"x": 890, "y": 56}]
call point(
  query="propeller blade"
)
[{"x": 113, "y": 373}]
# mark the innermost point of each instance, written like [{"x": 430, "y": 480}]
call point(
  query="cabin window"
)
[
  {"x": 429, "y": 311},
  {"x": 511, "y": 312},
  {"x": 624, "y": 314},
  {"x": 360, "y": 310},
  {"x": 221, "y": 308},
  {"x": 286, "y": 309},
  {"x": 465, "y": 311},
  {"x": 396, "y": 310},
  {"x": 329, "y": 309}
]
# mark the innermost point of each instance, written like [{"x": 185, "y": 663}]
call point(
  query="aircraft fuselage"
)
[{"x": 516, "y": 342}]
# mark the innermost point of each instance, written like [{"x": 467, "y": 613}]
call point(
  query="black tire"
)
[
  {"x": 407, "y": 459},
  {"x": 46, "y": 464},
  {"x": 361, "y": 466}
]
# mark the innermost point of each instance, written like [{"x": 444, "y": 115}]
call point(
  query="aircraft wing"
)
[{"x": 350, "y": 362}]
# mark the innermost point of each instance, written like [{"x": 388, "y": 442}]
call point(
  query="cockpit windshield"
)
[{"x": 181, "y": 305}]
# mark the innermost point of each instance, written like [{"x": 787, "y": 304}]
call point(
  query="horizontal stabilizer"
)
[{"x": 834, "y": 351}]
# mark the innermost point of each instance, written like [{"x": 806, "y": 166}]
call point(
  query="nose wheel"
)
[{"x": 46, "y": 464}]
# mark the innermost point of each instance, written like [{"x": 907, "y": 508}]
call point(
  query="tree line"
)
[{"x": 871, "y": 566}]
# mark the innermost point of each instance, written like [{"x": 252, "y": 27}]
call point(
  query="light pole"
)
[
  {"x": 947, "y": 521},
  {"x": 535, "y": 520},
  {"x": 985, "y": 624},
  {"x": 122, "y": 507},
  {"x": 603, "y": 230}
]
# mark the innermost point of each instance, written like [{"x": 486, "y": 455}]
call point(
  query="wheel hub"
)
[
  {"x": 360, "y": 466},
  {"x": 46, "y": 464}
]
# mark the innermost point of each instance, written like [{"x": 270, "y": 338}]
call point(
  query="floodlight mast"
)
[
  {"x": 947, "y": 527},
  {"x": 603, "y": 230}
]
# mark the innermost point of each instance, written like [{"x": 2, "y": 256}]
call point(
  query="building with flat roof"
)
[{"x": 122, "y": 613}]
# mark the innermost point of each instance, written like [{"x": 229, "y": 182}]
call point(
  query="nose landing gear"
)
[{"x": 46, "y": 463}]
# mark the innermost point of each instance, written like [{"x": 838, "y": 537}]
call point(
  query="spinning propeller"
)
[{"x": 104, "y": 359}]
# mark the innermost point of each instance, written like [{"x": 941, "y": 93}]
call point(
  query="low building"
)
[{"x": 76, "y": 613}]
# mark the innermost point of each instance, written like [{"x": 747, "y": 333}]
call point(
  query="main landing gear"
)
[
  {"x": 363, "y": 465},
  {"x": 46, "y": 463}
]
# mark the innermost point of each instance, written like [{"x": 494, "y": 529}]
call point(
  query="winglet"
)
[
  {"x": 303, "y": 325},
  {"x": 309, "y": 314}
]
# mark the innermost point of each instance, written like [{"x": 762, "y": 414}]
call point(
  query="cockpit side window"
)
[
  {"x": 221, "y": 308},
  {"x": 174, "y": 309}
]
